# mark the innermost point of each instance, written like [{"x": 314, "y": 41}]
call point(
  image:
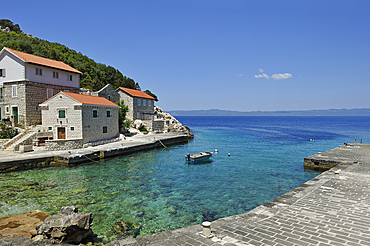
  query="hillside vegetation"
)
[{"x": 95, "y": 75}]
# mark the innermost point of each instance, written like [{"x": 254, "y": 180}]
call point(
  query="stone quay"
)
[{"x": 331, "y": 209}]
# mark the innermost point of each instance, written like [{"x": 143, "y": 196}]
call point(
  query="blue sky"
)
[{"x": 231, "y": 55}]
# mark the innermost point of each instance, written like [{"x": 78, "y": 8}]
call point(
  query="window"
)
[
  {"x": 95, "y": 113},
  {"x": 105, "y": 129},
  {"x": 138, "y": 102},
  {"x": 2, "y": 72},
  {"x": 62, "y": 113},
  {"x": 14, "y": 90},
  {"x": 7, "y": 109},
  {"x": 39, "y": 71},
  {"x": 69, "y": 77},
  {"x": 108, "y": 113},
  {"x": 49, "y": 93},
  {"x": 72, "y": 128},
  {"x": 144, "y": 102},
  {"x": 149, "y": 103},
  {"x": 56, "y": 75},
  {"x": 138, "y": 115},
  {"x": 50, "y": 128}
]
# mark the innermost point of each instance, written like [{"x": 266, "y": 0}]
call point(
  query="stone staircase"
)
[{"x": 23, "y": 138}]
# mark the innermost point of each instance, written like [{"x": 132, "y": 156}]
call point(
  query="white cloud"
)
[
  {"x": 261, "y": 70},
  {"x": 239, "y": 75},
  {"x": 262, "y": 76},
  {"x": 278, "y": 76}
]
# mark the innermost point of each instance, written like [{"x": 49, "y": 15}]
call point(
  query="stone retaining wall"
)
[{"x": 61, "y": 144}]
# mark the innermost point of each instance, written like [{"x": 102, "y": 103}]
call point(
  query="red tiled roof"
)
[
  {"x": 89, "y": 100},
  {"x": 136, "y": 93},
  {"x": 42, "y": 61}
]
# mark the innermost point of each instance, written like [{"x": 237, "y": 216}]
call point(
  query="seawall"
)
[{"x": 11, "y": 161}]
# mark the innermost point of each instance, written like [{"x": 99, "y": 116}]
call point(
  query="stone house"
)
[
  {"x": 27, "y": 80},
  {"x": 107, "y": 92},
  {"x": 140, "y": 104},
  {"x": 78, "y": 119}
]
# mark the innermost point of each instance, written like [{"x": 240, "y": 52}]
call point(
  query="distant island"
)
[{"x": 328, "y": 112}]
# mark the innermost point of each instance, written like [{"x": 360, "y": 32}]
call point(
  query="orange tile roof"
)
[
  {"x": 89, "y": 100},
  {"x": 136, "y": 93},
  {"x": 42, "y": 61}
]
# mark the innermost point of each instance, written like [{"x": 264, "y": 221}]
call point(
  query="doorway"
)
[{"x": 61, "y": 133}]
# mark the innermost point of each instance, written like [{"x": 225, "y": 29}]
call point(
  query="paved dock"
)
[
  {"x": 331, "y": 209},
  {"x": 11, "y": 161}
]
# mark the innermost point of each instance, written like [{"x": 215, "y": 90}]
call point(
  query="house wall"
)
[
  {"x": 109, "y": 93},
  {"x": 128, "y": 101},
  {"x": 14, "y": 69},
  {"x": 93, "y": 127},
  {"x": 31, "y": 88},
  {"x": 47, "y": 76},
  {"x": 145, "y": 111},
  {"x": 29, "y": 96},
  {"x": 134, "y": 108},
  {"x": 50, "y": 117}
]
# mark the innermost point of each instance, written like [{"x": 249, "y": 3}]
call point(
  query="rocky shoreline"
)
[{"x": 171, "y": 124}]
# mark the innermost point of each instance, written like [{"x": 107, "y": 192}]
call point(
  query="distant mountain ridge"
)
[{"x": 327, "y": 112}]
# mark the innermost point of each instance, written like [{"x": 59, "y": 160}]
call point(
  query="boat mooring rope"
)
[{"x": 162, "y": 143}]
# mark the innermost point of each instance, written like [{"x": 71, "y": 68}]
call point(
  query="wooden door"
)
[{"x": 61, "y": 133}]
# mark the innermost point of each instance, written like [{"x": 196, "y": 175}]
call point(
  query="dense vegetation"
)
[{"x": 95, "y": 75}]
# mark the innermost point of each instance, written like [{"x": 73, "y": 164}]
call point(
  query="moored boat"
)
[{"x": 201, "y": 156}]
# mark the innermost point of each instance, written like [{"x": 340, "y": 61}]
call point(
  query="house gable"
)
[
  {"x": 109, "y": 93},
  {"x": 12, "y": 68},
  {"x": 36, "y": 69}
]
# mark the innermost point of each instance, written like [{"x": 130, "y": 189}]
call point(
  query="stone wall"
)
[
  {"x": 29, "y": 96},
  {"x": 72, "y": 121},
  {"x": 134, "y": 108},
  {"x": 158, "y": 125},
  {"x": 109, "y": 93},
  {"x": 128, "y": 101},
  {"x": 93, "y": 127},
  {"x": 62, "y": 144},
  {"x": 79, "y": 122}
]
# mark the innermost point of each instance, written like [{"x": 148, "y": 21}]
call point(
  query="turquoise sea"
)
[{"x": 157, "y": 190}]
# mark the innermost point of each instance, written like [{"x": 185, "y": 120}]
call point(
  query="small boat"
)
[{"x": 202, "y": 156}]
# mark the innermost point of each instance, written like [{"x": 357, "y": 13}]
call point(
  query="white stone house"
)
[
  {"x": 79, "y": 119},
  {"x": 27, "y": 80},
  {"x": 140, "y": 104}
]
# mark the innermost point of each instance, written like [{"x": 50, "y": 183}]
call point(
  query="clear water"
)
[{"x": 159, "y": 191}]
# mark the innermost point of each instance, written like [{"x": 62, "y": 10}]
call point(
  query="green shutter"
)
[{"x": 62, "y": 113}]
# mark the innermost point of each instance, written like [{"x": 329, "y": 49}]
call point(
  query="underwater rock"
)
[
  {"x": 67, "y": 227},
  {"x": 31, "y": 184},
  {"x": 22, "y": 224}
]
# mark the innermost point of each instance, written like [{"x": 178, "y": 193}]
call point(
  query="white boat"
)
[{"x": 202, "y": 156}]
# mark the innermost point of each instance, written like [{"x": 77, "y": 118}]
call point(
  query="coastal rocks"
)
[
  {"x": 67, "y": 227},
  {"x": 22, "y": 224},
  {"x": 138, "y": 124},
  {"x": 123, "y": 230},
  {"x": 171, "y": 124}
]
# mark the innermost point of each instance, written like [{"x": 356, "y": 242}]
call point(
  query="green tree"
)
[
  {"x": 122, "y": 111},
  {"x": 13, "y": 27},
  {"x": 94, "y": 75},
  {"x": 151, "y": 94}
]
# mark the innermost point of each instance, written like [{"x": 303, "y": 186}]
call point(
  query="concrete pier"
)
[
  {"x": 352, "y": 153},
  {"x": 12, "y": 161},
  {"x": 331, "y": 209}
]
